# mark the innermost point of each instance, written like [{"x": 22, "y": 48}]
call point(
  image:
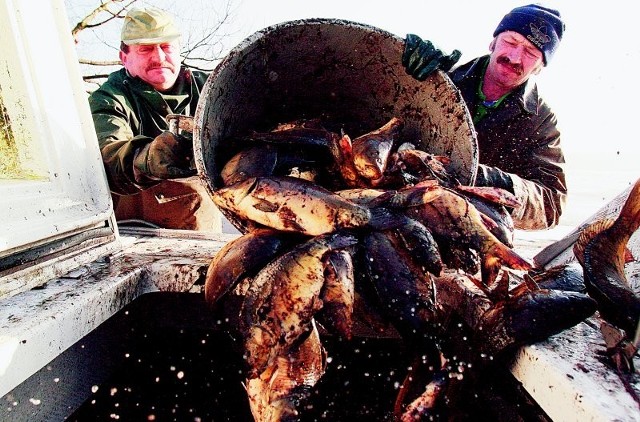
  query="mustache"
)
[
  {"x": 503, "y": 60},
  {"x": 160, "y": 65}
]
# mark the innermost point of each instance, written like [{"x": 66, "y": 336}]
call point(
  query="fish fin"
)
[
  {"x": 384, "y": 219},
  {"x": 587, "y": 234},
  {"x": 499, "y": 255}
]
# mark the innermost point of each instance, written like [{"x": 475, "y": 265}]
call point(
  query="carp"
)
[
  {"x": 603, "y": 259},
  {"x": 273, "y": 395},
  {"x": 457, "y": 222},
  {"x": 338, "y": 294},
  {"x": 526, "y": 316},
  {"x": 283, "y": 298},
  {"x": 271, "y": 160},
  {"x": 290, "y": 204},
  {"x": 405, "y": 291},
  {"x": 371, "y": 151},
  {"x": 243, "y": 257}
]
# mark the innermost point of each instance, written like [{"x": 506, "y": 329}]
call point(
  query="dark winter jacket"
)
[
  {"x": 520, "y": 137},
  {"x": 128, "y": 113}
]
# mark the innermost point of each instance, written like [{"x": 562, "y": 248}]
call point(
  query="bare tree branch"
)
[{"x": 88, "y": 21}]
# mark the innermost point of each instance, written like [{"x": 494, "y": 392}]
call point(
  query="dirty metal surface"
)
[
  {"x": 37, "y": 325},
  {"x": 567, "y": 374},
  {"x": 344, "y": 72}
]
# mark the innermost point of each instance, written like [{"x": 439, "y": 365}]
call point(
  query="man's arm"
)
[
  {"x": 536, "y": 177},
  {"x": 136, "y": 162}
]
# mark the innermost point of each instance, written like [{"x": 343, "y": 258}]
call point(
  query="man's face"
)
[
  {"x": 156, "y": 64},
  {"x": 513, "y": 59}
]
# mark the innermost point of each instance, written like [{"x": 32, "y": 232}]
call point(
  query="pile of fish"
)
[{"x": 371, "y": 229}]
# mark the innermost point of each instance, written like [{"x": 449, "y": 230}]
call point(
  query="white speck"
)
[
  {"x": 94, "y": 388},
  {"x": 180, "y": 375},
  {"x": 56, "y": 379},
  {"x": 34, "y": 401}
]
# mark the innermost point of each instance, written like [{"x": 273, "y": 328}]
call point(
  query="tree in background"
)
[{"x": 96, "y": 31}]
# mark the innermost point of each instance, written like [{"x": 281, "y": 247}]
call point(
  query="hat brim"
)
[{"x": 154, "y": 40}]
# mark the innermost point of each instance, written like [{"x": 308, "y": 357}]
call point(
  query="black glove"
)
[
  {"x": 421, "y": 58},
  {"x": 493, "y": 176},
  {"x": 168, "y": 156}
]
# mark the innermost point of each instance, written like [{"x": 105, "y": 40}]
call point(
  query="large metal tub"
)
[{"x": 346, "y": 71}]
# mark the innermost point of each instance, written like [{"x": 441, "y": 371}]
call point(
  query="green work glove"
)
[
  {"x": 421, "y": 58},
  {"x": 493, "y": 176},
  {"x": 168, "y": 156}
]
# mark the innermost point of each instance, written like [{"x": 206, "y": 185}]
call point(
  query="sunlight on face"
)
[
  {"x": 156, "y": 64},
  {"x": 513, "y": 59}
]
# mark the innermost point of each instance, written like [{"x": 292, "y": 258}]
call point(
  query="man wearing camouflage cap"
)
[
  {"x": 518, "y": 141},
  {"x": 150, "y": 170}
]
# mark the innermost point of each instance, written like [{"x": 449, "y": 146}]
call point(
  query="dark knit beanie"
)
[{"x": 540, "y": 25}]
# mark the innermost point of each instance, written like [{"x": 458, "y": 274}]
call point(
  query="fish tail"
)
[{"x": 629, "y": 219}]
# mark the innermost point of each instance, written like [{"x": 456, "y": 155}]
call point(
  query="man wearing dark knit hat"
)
[{"x": 519, "y": 143}]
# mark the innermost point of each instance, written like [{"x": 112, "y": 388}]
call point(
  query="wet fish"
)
[
  {"x": 604, "y": 273},
  {"x": 291, "y": 204},
  {"x": 416, "y": 242},
  {"x": 337, "y": 294},
  {"x": 405, "y": 292},
  {"x": 568, "y": 277},
  {"x": 454, "y": 220},
  {"x": 496, "y": 218},
  {"x": 270, "y": 160},
  {"x": 371, "y": 151},
  {"x": 274, "y": 394},
  {"x": 283, "y": 298},
  {"x": 527, "y": 316},
  {"x": 422, "y": 166},
  {"x": 243, "y": 257}
]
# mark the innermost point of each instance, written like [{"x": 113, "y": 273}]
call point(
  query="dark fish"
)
[
  {"x": 527, "y": 316},
  {"x": 283, "y": 298},
  {"x": 405, "y": 291},
  {"x": 371, "y": 151},
  {"x": 568, "y": 277},
  {"x": 416, "y": 242},
  {"x": 274, "y": 394},
  {"x": 604, "y": 273},
  {"x": 337, "y": 294},
  {"x": 290, "y": 204},
  {"x": 270, "y": 160},
  {"x": 243, "y": 257}
]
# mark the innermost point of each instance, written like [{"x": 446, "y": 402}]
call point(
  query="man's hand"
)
[
  {"x": 493, "y": 176},
  {"x": 421, "y": 58},
  {"x": 168, "y": 156}
]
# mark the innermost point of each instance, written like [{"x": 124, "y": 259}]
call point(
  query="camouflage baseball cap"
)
[{"x": 148, "y": 25}]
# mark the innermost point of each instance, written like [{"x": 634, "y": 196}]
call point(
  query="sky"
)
[{"x": 588, "y": 83}]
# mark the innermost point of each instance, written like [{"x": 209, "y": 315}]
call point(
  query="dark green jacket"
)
[
  {"x": 520, "y": 137},
  {"x": 128, "y": 113}
]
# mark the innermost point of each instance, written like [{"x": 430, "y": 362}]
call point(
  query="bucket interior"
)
[{"x": 340, "y": 71}]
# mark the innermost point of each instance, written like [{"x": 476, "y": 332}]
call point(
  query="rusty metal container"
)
[{"x": 346, "y": 71}]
